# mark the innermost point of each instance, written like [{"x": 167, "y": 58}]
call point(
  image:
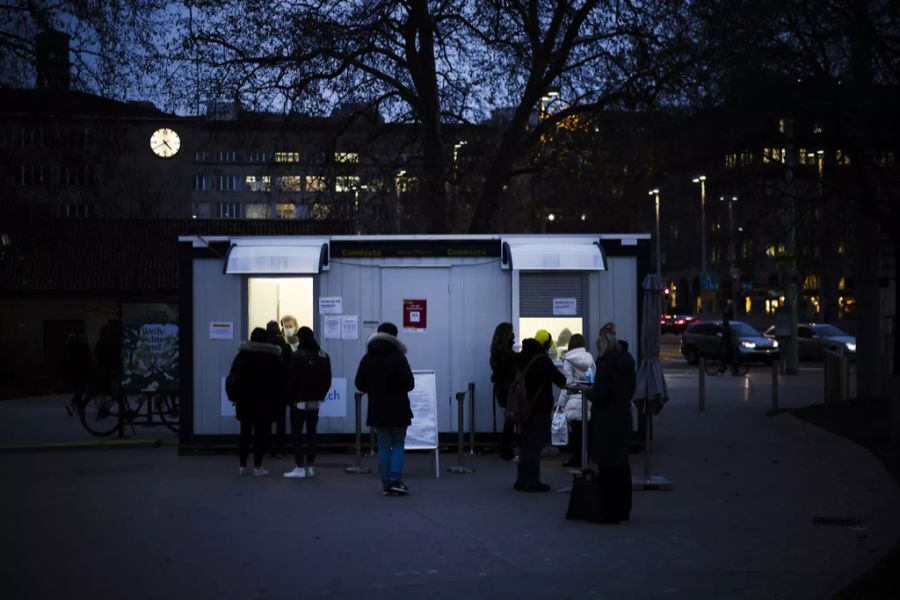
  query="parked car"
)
[
  {"x": 814, "y": 338},
  {"x": 705, "y": 339},
  {"x": 675, "y": 323}
]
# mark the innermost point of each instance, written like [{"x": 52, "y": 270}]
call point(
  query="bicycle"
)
[
  {"x": 103, "y": 413},
  {"x": 716, "y": 364}
]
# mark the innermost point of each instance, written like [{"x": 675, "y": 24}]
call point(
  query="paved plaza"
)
[{"x": 756, "y": 512}]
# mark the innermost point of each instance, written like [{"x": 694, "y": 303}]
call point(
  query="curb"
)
[{"x": 82, "y": 446}]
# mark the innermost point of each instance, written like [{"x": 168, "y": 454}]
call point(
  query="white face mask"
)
[{"x": 289, "y": 331}]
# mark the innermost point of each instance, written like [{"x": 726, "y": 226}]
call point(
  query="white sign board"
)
[
  {"x": 331, "y": 305},
  {"x": 565, "y": 307},
  {"x": 227, "y": 408},
  {"x": 349, "y": 327},
  {"x": 335, "y": 403},
  {"x": 332, "y": 327},
  {"x": 422, "y": 434},
  {"x": 221, "y": 331}
]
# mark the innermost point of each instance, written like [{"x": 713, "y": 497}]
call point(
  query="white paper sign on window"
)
[
  {"x": 331, "y": 305},
  {"x": 350, "y": 327},
  {"x": 332, "y": 327},
  {"x": 221, "y": 331},
  {"x": 565, "y": 307}
]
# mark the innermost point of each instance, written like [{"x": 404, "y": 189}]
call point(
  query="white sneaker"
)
[
  {"x": 310, "y": 471},
  {"x": 244, "y": 471},
  {"x": 260, "y": 472},
  {"x": 297, "y": 473}
]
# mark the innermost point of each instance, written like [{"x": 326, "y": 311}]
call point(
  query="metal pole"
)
[
  {"x": 702, "y": 384},
  {"x": 372, "y": 451},
  {"x": 647, "y": 420},
  {"x": 358, "y": 469},
  {"x": 460, "y": 426},
  {"x": 658, "y": 242},
  {"x": 472, "y": 418},
  {"x": 775, "y": 384},
  {"x": 584, "y": 429}
]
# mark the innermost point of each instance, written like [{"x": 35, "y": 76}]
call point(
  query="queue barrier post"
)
[
  {"x": 460, "y": 468},
  {"x": 702, "y": 387},
  {"x": 358, "y": 469},
  {"x": 471, "y": 418}
]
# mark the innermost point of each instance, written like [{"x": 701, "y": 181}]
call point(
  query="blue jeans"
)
[{"x": 390, "y": 452}]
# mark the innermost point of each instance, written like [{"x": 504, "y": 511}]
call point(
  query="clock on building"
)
[{"x": 165, "y": 142}]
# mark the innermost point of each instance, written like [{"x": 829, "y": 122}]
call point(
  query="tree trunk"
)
[{"x": 486, "y": 212}]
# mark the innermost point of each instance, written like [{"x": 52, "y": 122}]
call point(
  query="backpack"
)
[
  {"x": 315, "y": 373},
  {"x": 518, "y": 402}
]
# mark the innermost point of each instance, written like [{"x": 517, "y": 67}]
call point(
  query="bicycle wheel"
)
[
  {"x": 712, "y": 365},
  {"x": 169, "y": 408},
  {"x": 100, "y": 413}
]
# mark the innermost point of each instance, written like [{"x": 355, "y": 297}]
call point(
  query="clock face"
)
[{"x": 165, "y": 142}]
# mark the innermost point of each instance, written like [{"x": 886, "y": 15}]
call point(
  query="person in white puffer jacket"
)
[{"x": 575, "y": 365}]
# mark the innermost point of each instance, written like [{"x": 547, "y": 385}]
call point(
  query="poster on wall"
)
[
  {"x": 350, "y": 327},
  {"x": 564, "y": 307},
  {"x": 331, "y": 305},
  {"x": 150, "y": 361},
  {"x": 415, "y": 315},
  {"x": 221, "y": 331},
  {"x": 422, "y": 433},
  {"x": 335, "y": 404},
  {"x": 331, "y": 327}
]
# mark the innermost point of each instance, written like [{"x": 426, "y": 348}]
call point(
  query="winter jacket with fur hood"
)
[
  {"x": 385, "y": 377},
  {"x": 259, "y": 374},
  {"x": 575, "y": 365}
]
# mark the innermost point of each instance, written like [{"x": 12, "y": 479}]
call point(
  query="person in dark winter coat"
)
[
  {"x": 614, "y": 385},
  {"x": 385, "y": 376},
  {"x": 503, "y": 372},
  {"x": 259, "y": 395},
  {"x": 307, "y": 379},
  {"x": 540, "y": 376},
  {"x": 274, "y": 337}
]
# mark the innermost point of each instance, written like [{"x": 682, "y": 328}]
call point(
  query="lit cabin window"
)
[
  {"x": 346, "y": 157},
  {"x": 287, "y": 157},
  {"x": 346, "y": 183},
  {"x": 316, "y": 183}
]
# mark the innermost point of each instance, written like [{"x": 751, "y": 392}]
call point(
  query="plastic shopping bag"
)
[{"x": 559, "y": 427}]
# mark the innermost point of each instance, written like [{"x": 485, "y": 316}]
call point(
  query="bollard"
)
[
  {"x": 775, "y": 368},
  {"x": 358, "y": 469},
  {"x": 373, "y": 450},
  {"x": 471, "y": 419},
  {"x": 702, "y": 364},
  {"x": 460, "y": 426}
]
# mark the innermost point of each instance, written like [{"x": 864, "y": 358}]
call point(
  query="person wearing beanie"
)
[
  {"x": 308, "y": 379},
  {"x": 610, "y": 425},
  {"x": 385, "y": 377},
  {"x": 274, "y": 337}
]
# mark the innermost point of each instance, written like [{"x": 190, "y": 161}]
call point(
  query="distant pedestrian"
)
[
  {"x": 503, "y": 371},
  {"x": 385, "y": 377},
  {"x": 540, "y": 376},
  {"x": 614, "y": 386},
  {"x": 576, "y": 363},
  {"x": 257, "y": 374},
  {"x": 308, "y": 379},
  {"x": 274, "y": 336}
]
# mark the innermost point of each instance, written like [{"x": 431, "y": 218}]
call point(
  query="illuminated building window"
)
[
  {"x": 842, "y": 284},
  {"x": 316, "y": 183},
  {"x": 405, "y": 183},
  {"x": 200, "y": 210},
  {"x": 781, "y": 125},
  {"x": 287, "y": 157},
  {"x": 716, "y": 253},
  {"x": 257, "y": 156},
  {"x": 285, "y": 211},
  {"x": 320, "y": 211},
  {"x": 745, "y": 159},
  {"x": 773, "y": 250},
  {"x": 290, "y": 183},
  {"x": 807, "y": 157},
  {"x": 817, "y": 128},
  {"x": 257, "y": 210},
  {"x": 227, "y": 156},
  {"x": 346, "y": 157},
  {"x": 346, "y": 183},
  {"x": 811, "y": 282},
  {"x": 674, "y": 231},
  {"x": 841, "y": 158},
  {"x": 229, "y": 183},
  {"x": 730, "y": 161},
  {"x": 773, "y": 155},
  {"x": 886, "y": 159},
  {"x": 228, "y": 210},
  {"x": 841, "y": 249},
  {"x": 745, "y": 249},
  {"x": 258, "y": 183},
  {"x": 202, "y": 183}
]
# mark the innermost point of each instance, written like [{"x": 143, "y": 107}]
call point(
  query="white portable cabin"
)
[{"x": 445, "y": 293}]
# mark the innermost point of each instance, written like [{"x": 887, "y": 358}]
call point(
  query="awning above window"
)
[
  {"x": 554, "y": 254},
  {"x": 274, "y": 259}
]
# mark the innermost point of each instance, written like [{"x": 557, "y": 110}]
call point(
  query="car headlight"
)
[
  {"x": 750, "y": 345},
  {"x": 774, "y": 344},
  {"x": 851, "y": 346}
]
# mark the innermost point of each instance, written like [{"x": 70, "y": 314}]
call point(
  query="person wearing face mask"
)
[{"x": 290, "y": 327}]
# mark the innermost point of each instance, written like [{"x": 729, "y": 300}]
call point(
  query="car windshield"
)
[
  {"x": 828, "y": 331},
  {"x": 744, "y": 330}
]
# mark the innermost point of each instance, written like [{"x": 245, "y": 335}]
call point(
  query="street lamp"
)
[
  {"x": 732, "y": 271},
  {"x": 655, "y": 192},
  {"x": 701, "y": 179}
]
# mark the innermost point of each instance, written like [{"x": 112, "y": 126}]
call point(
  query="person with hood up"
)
[
  {"x": 307, "y": 380},
  {"x": 540, "y": 375},
  {"x": 576, "y": 363},
  {"x": 274, "y": 337},
  {"x": 385, "y": 377},
  {"x": 614, "y": 385},
  {"x": 503, "y": 372},
  {"x": 257, "y": 373}
]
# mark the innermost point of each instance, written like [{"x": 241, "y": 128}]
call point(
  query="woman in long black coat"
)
[
  {"x": 503, "y": 372},
  {"x": 610, "y": 426},
  {"x": 258, "y": 377}
]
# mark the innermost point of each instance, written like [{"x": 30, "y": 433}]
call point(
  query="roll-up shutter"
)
[{"x": 537, "y": 291}]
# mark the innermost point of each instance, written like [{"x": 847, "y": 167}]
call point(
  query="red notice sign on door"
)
[{"x": 415, "y": 314}]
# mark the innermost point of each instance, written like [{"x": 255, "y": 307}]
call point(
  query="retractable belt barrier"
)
[
  {"x": 460, "y": 468},
  {"x": 472, "y": 418}
]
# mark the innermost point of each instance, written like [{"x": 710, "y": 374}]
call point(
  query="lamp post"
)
[
  {"x": 701, "y": 179},
  {"x": 732, "y": 271},
  {"x": 655, "y": 192}
]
